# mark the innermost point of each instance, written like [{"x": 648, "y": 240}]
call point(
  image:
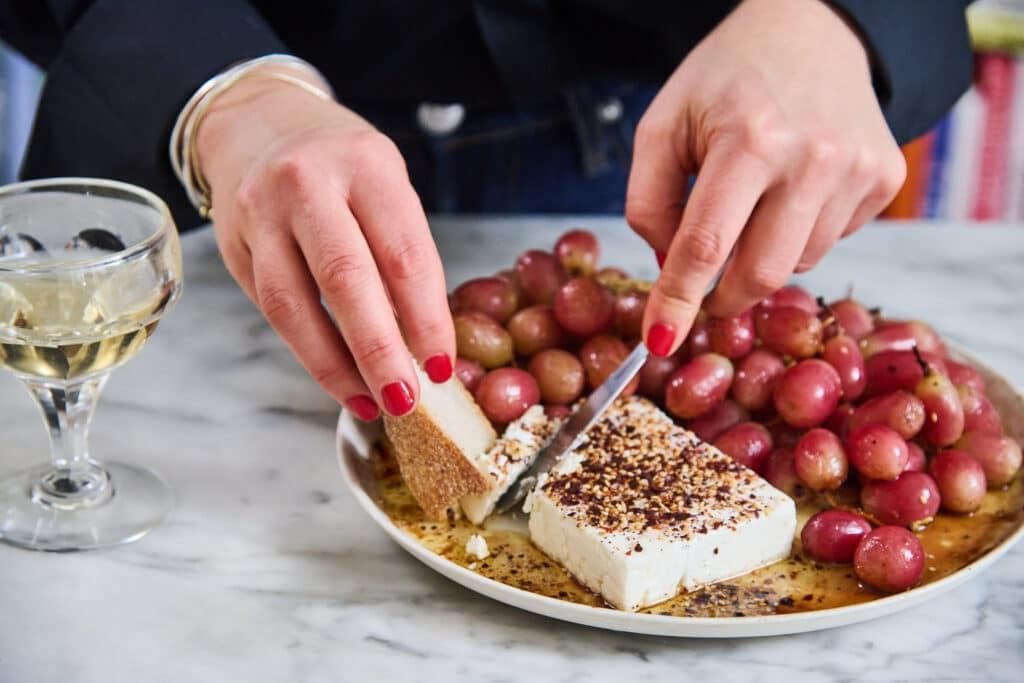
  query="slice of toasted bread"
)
[{"x": 436, "y": 446}]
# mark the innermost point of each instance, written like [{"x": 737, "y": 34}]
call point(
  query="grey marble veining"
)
[{"x": 267, "y": 570}]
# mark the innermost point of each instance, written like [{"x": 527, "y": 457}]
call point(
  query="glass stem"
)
[{"x": 72, "y": 480}]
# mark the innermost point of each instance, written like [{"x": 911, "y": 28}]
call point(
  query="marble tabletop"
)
[{"x": 268, "y": 571}]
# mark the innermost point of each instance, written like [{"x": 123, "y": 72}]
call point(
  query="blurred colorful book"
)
[{"x": 971, "y": 165}]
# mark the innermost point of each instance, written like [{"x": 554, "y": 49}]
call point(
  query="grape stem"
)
[{"x": 925, "y": 367}]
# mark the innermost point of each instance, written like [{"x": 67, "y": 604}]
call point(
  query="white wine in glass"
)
[{"x": 87, "y": 269}]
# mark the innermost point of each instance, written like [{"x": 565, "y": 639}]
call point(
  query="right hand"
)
[{"x": 311, "y": 200}]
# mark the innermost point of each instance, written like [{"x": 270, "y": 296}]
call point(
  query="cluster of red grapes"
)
[{"x": 815, "y": 397}]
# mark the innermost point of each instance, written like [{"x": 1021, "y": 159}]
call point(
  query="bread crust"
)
[{"x": 434, "y": 468}]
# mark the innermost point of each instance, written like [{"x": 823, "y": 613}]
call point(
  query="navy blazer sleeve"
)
[
  {"x": 921, "y": 55},
  {"x": 118, "y": 73}
]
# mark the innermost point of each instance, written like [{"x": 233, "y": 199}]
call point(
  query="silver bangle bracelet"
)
[{"x": 182, "y": 147}]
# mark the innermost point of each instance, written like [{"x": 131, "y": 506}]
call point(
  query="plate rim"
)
[{"x": 645, "y": 623}]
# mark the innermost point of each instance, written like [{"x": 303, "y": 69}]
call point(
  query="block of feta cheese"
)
[
  {"x": 438, "y": 443},
  {"x": 641, "y": 509},
  {"x": 512, "y": 453}
]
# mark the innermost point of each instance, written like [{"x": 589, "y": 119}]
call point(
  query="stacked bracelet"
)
[{"x": 184, "y": 156}]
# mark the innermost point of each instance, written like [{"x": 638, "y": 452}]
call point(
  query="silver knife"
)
[{"x": 577, "y": 424}]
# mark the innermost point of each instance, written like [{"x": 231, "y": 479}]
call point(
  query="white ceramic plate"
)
[{"x": 354, "y": 441}]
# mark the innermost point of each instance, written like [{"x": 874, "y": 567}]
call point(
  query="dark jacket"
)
[{"x": 119, "y": 71}]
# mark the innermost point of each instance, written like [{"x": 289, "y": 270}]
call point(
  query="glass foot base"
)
[{"x": 122, "y": 510}]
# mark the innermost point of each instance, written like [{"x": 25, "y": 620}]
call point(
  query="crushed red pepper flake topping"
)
[{"x": 639, "y": 471}]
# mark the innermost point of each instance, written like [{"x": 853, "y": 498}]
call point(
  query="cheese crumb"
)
[{"x": 476, "y": 547}]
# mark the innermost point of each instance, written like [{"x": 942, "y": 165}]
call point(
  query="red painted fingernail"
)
[
  {"x": 439, "y": 368},
  {"x": 660, "y": 256},
  {"x": 397, "y": 397},
  {"x": 363, "y": 407},
  {"x": 660, "y": 338}
]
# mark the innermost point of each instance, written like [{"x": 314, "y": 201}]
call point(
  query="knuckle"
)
[
  {"x": 892, "y": 176},
  {"x": 375, "y": 149},
  {"x": 339, "y": 272},
  {"x": 764, "y": 279},
  {"x": 675, "y": 295},
  {"x": 409, "y": 261},
  {"x": 280, "y": 305},
  {"x": 703, "y": 246},
  {"x": 329, "y": 375},
  {"x": 371, "y": 349},
  {"x": 649, "y": 131},
  {"x": 822, "y": 152},
  {"x": 642, "y": 215},
  {"x": 762, "y": 135},
  {"x": 864, "y": 165},
  {"x": 291, "y": 169}
]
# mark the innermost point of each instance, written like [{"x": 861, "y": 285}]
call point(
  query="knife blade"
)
[{"x": 577, "y": 423}]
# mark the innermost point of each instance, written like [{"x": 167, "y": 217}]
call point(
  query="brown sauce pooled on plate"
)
[{"x": 797, "y": 584}]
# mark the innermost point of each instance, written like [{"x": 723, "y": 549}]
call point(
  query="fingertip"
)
[
  {"x": 438, "y": 368},
  {"x": 661, "y": 338},
  {"x": 398, "y": 398},
  {"x": 363, "y": 407}
]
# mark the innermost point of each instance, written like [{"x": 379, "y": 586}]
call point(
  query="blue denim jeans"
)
[{"x": 567, "y": 156}]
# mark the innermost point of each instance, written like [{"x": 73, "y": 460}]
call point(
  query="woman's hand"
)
[
  {"x": 776, "y": 110},
  {"x": 310, "y": 199}
]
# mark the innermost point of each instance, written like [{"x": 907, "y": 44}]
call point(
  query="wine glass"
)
[{"x": 87, "y": 268}]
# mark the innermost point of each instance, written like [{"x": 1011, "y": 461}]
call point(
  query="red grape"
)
[
  {"x": 506, "y": 393},
  {"x": 794, "y": 296},
  {"x": 877, "y": 451},
  {"x": 807, "y": 393},
  {"x": 469, "y": 373},
  {"x": 783, "y": 435},
  {"x": 900, "y": 335},
  {"x": 540, "y": 275},
  {"x": 697, "y": 340},
  {"x": 583, "y": 307},
  {"x": 479, "y": 338},
  {"x": 629, "y": 313},
  {"x": 892, "y": 370},
  {"x": 979, "y": 413},
  {"x": 833, "y": 535},
  {"x": 748, "y": 443},
  {"x": 820, "y": 461},
  {"x": 493, "y": 296},
  {"x": 698, "y": 385},
  {"x": 999, "y": 456},
  {"x": 911, "y": 498},
  {"x": 889, "y": 559},
  {"x": 732, "y": 337},
  {"x": 721, "y": 417},
  {"x": 790, "y": 331},
  {"x": 601, "y": 355},
  {"x": 842, "y": 353},
  {"x": 917, "y": 461},
  {"x": 853, "y": 317},
  {"x": 655, "y": 373},
  {"x": 839, "y": 421},
  {"x": 534, "y": 329},
  {"x": 557, "y": 411},
  {"x": 756, "y": 377},
  {"x": 961, "y": 480},
  {"x": 961, "y": 373},
  {"x": 578, "y": 251},
  {"x": 559, "y": 375},
  {"x": 780, "y": 473},
  {"x": 900, "y": 410},
  {"x": 944, "y": 415}
]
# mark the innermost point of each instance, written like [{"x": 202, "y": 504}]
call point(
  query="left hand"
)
[{"x": 776, "y": 110}]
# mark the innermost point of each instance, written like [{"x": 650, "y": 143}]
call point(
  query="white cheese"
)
[
  {"x": 476, "y": 547},
  {"x": 512, "y": 453},
  {"x": 644, "y": 510}
]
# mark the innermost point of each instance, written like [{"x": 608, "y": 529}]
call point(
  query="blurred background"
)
[{"x": 969, "y": 167}]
